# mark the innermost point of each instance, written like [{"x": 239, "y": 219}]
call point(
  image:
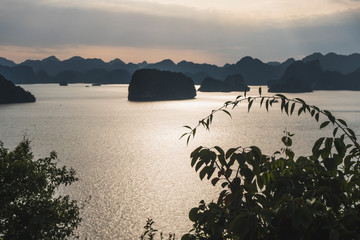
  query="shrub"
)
[
  {"x": 29, "y": 205},
  {"x": 280, "y": 196}
]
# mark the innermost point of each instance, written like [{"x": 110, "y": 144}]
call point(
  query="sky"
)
[{"x": 211, "y": 31}]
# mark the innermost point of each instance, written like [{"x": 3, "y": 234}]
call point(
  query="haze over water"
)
[{"x": 128, "y": 155}]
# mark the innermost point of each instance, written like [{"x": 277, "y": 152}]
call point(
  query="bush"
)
[
  {"x": 29, "y": 206},
  {"x": 280, "y": 196}
]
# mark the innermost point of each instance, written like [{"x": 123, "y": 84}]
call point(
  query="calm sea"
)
[{"x": 128, "y": 155}]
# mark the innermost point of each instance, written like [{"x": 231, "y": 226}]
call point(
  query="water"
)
[{"x": 128, "y": 155}]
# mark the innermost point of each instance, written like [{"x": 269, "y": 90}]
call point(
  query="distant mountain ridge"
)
[
  {"x": 306, "y": 76},
  {"x": 81, "y": 70},
  {"x": 344, "y": 64}
]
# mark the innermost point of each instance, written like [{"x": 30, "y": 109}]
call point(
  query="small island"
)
[
  {"x": 63, "y": 83},
  {"x": 9, "y": 93},
  {"x": 156, "y": 85},
  {"x": 231, "y": 83}
]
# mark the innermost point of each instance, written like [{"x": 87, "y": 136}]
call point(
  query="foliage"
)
[
  {"x": 29, "y": 205},
  {"x": 280, "y": 196},
  {"x": 150, "y": 232}
]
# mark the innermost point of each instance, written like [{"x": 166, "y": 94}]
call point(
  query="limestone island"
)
[
  {"x": 156, "y": 85},
  {"x": 231, "y": 83},
  {"x": 9, "y": 93}
]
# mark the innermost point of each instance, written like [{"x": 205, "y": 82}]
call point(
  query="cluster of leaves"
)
[
  {"x": 280, "y": 196},
  {"x": 29, "y": 207},
  {"x": 150, "y": 232}
]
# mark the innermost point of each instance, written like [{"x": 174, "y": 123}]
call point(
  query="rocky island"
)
[
  {"x": 9, "y": 93},
  {"x": 155, "y": 85},
  {"x": 231, "y": 83}
]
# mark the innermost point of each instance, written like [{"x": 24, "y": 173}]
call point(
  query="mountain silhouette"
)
[
  {"x": 254, "y": 71},
  {"x": 308, "y": 76},
  {"x": 335, "y": 62},
  {"x": 6, "y": 62},
  {"x": 231, "y": 83}
]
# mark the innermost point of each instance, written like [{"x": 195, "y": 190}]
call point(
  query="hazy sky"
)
[{"x": 213, "y": 31}]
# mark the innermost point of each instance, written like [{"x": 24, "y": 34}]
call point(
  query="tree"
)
[
  {"x": 280, "y": 196},
  {"x": 30, "y": 208}
]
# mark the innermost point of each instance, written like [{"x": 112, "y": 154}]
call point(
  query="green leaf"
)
[
  {"x": 262, "y": 100},
  {"x": 196, "y": 151},
  {"x": 317, "y": 117},
  {"x": 250, "y": 104},
  {"x": 203, "y": 172},
  {"x": 227, "y": 112},
  {"x": 316, "y": 147},
  {"x": 340, "y": 147},
  {"x": 211, "y": 170},
  {"x": 188, "y": 236},
  {"x": 224, "y": 184},
  {"x": 342, "y": 122},
  {"x": 193, "y": 214},
  {"x": 287, "y": 141},
  {"x": 222, "y": 160},
  {"x": 301, "y": 109},
  {"x": 183, "y": 135},
  {"x": 300, "y": 100},
  {"x": 193, "y": 161},
  {"x": 230, "y": 152},
  {"x": 282, "y": 104},
  {"x": 187, "y": 127},
  {"x": 256, "y": 152},
  {"x": 330, "y": 164},
  {"x": 281, "y": 96},
  {"x": 267, "y": 105},
  {"x": 247, "y": 173},
  {"x": 312, "y": 112},
  {"x": 228, "y": 173},
  {"x": 327, "y": 149},
  {"x": 352, "y": 133},
  {"x": 335, "y": 131},
  {"x": 194, "y": 132},
  {"x": 262, "y": 200},
  {"x": 292, "y": 108},
  {"x": 214, "y": 181},
  {"x": 219, "y": 149},
  {"x": 287, "y": 108},
  {"x": 324, "y": 124},
  {"x": 199, "y": 164}
]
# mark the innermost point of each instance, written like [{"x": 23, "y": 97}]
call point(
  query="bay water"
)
[{"x": 128, "y": 156}]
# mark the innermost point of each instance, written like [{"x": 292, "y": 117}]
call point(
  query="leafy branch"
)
[
  {"x": 287, "y": 105},
  {"x": 279, "y": 196}
]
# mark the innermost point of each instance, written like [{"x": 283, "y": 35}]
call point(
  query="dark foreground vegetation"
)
[
  {"x": 278, "y": 196},
  {"x": 29, "y": 205}
]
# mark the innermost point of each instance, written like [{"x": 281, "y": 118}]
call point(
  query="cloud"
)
[{"x": 142, "y": 25}]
